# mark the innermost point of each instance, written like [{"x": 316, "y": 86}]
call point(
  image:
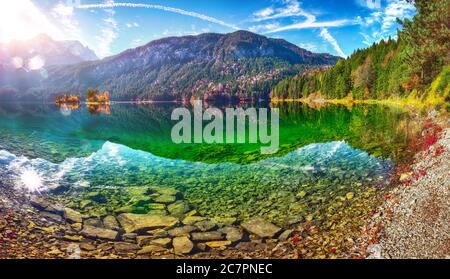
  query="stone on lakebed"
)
[
  {"x": 164, "y": 242},
  {"x": 45, "y": 205},
  {"x": 233, "y": 234},
  {"x": 206, "y": 225},
  {"x": 190, "y": 220},
  {"x": 181, "y": 231},
  {"x": 165, "y": 191},
  {"x": 110, "y": 222},
  {"x": 260, "y": 227},
  {"x": 178, "y": 208},
  {"x": 207, "y": 236},
  {"x": 218, "y": 244},
  {"x": 149, "y": 249},
  {"x": 142, "y": 222},
  {"x": 165, "y": 199},
  {"x": 94, "y": 232},
  {"x": 72, "y": 216},
  {"x": 182, "y": 245},
  {"x": 125, "y": 247}
]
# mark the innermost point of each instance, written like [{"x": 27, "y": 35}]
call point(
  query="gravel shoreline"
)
[{"x": 414, "y": 220}]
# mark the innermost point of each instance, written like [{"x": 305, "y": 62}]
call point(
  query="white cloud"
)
[
  {"x": 264, "y": 12},
  {"x": 375, "y": 17},
  {"x": 396, "y": 9},
  {"x": 64, "y": 15},
  {"x": 316, "y": 24},
  {"x": 112, "y": 4},
  {"x": 131, "y": 24},
  {"x": 371, "y": 4},
  {"x": 327, "y": 36},
  {"x": 308, "y": 46},
  {"x": 367, "y": 38},
  {"x": 109, "y": 32},
  {"x": 381, "y": 24},
  {"x": 292, "y": 9},
  {"x": 63, "y": 10},
  {"x": 264, "y": 27}
]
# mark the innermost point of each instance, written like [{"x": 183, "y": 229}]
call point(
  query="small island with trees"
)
[
  {"x": 67, "y": 99},
  {"x": 93, "y": 97}
]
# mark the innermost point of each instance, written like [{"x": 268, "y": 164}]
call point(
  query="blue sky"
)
[{"x": 109, "y": 27}]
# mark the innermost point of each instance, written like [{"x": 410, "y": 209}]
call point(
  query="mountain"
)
[
  {"x": 23, "y": 63},
  {"x": 43, "y": 48},
  {"x": 212, "y": 66}
]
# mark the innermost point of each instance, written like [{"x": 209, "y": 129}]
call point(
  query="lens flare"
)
[
  {"x": 31, "y": 180},
  {"x": 36, "y": 63}
]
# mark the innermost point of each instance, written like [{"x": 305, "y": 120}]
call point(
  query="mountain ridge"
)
[
  {"x": 53, "y": 52},
  {"x": 210, "y": 65}
]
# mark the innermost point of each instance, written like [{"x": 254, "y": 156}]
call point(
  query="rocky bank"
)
[{"x": 413, "y": 222}]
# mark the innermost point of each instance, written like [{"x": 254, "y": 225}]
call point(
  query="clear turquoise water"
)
[{"x": 324, "y": 154}]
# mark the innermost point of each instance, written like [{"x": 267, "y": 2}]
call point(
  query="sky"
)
[{"x": 108, "y": 27}]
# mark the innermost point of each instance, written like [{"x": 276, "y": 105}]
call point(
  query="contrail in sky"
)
[{"x": 158, "y": 7}]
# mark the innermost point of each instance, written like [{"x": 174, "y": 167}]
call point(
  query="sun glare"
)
[
  {"x": 22, "y": 20},
  {"x": 31, "y": 180},
  {"x": 36, "y": 63}
]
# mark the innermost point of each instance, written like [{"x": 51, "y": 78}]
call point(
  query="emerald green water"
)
[{"x": 323, "y": 154}]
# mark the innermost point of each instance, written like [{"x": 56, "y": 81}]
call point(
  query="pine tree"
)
[{"x": 428, "y": 36}]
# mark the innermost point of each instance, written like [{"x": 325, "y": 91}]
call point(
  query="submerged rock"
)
[
  {"x": 76, "y": 226},
  {"x": 87, "y": 246},
  {"x": 182, "y": 245},
  {"x": 94, "y": 232},
  {"x": 260, "y": 227},
  {"x": 206, "y": 225},
  {"x": 156, "y": 206},
  {"x": 125, "y": 247},
  {"x": 190, "y": 220},
  {"x": 74, "y": 238},
  {"x": 110, "y": 222},
  {"x": 178, "y": 208},
  {"x": 249, "y": 246},
  {"x": 144, "y": 240},
  {"x": 349, "y": 195},
  {"x": 97, "y": 197},
  {"x": 156, "y": 212},
  {"x": 207, "y": 236},
  {"x": 165, "y": 199},
  {"x": 228, "y": 221},
  {"x": 165, "y": 191},
  {"x": 164, "y": 242},
  {"x": 44, "y": 205},
  {"x": 232, "y": 234},
  {"x": 94, "y": 222},
  {"x": 218, "y": 244},
  {"x": 149, "y": 249},
  {"x": 129, "y": 237},
  {"x": 181, "y": 231},
  {"x": 137, "y": 222},
  {"x": 72, "y": 216},
  {"x": 285, "y": 235},
  {"x": 51, "y": 216}
]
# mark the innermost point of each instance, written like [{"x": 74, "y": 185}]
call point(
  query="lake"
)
[{"x": 102, "y": 160}]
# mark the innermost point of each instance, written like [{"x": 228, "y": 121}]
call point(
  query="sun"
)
[
  {"x": 31, "y": 180},
  {"x": 22, "y": 20}
]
